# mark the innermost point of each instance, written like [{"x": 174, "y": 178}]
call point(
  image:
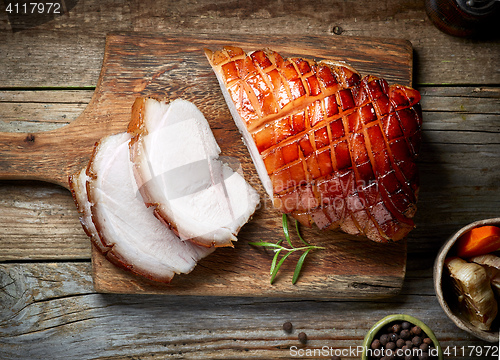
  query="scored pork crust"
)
[{"x": 330, "y": 147}]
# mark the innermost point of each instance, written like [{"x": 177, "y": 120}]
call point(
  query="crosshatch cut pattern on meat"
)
[{"x": 331, "y": 147}]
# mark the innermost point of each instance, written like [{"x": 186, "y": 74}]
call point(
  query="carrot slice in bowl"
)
[{"x": 478, "y": 241}]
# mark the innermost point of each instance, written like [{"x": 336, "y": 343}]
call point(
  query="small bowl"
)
[
  {"x": 454, "y": 314},
  {"x": 399, "y": 317}
]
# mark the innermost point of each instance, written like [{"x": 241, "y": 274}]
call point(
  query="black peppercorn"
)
[
  {"x": 424, "y": 347},
  {"x": 390, "y": 345},
  {"x": 401, "y": 340},
  {"x": 416, "y": 330},
  {"x": 303, "y": 337},
  {"x": 423, "y": 356},
  {"x": 288, "y": 327},
  {"x": 396, "y": 328},
  {"x": 384, "y": 339},
  {"x": 393, "y": 337},
  {"x": 404, "y": 334},
  {"x": 375, "y": 344},
  {"x": 417, "y": 340}
]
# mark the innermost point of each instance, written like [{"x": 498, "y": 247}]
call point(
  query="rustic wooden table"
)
[{"x": 48, "y": 306}]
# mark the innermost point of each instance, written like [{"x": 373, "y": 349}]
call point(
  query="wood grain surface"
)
[
  {"x": 53, "y": 312},
  {"x": 49, "y": 308},
  {"x": 173, "y": 67}
]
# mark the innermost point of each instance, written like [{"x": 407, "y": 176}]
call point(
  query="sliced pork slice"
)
[
  {"x": 132, "y": 237},
  {"x": 330, "y": 147},
  {"x": 78, "y": 186},
  {"x": 179, "y": 173}
]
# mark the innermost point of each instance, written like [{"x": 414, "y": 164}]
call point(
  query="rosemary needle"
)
[
  {"x": 284, "y": 221},
  {"x": 279, "y": 249}
]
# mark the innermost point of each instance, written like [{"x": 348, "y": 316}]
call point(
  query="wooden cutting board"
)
[{"x": 175, "y": 66}]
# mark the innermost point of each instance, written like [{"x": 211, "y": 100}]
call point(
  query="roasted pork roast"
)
[{"x": 330, "y": 147}]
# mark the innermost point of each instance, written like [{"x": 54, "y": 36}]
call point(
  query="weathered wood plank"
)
[
  {"x": 33, "y": 111},
  {"x": 46, "y": 97},
  {"x": 74, "y": 43},
  {"x": 59, "y": 96},
  {"x": 475, "y": 108},
  {"x": 38, "y": 221},
  {"x": 445, "y": 99},
  {"x": 460, "y": 91},
  {"x": 458, "y": 173},
  {"x": 68, "y": 60},
  {"x": 50, "y": 311}
]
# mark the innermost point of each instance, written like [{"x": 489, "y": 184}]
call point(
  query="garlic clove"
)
[
  {"x": 491, "y": 263},
  {"x": 471, "y": 281}
]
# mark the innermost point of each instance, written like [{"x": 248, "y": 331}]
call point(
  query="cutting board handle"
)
[
  {"x": 54, "y": 155},
  {"x": 46, "y": 156}
]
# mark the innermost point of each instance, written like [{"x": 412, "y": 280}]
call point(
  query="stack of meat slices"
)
[
  {"x": 330, "y": 147},
  {"x": 156, "y": 199}
]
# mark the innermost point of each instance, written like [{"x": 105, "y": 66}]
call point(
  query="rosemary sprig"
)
[{"x": 278, "y": 249}]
